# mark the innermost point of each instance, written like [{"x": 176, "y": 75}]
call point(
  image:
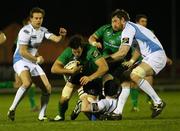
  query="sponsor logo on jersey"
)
[
  {"x": 26, "y": 31},
  {"x": 108, "y": 33},
  {"x": 33, "y": 36},
  {"x": 95, "y": 53},
  {"x": 125, "y": 40}
]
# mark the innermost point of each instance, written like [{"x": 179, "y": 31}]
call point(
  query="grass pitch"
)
[{"x": 26, "y": 120}]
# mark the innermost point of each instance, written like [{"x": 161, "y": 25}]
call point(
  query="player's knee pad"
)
[
  {"x": 139, "y": 71},
  {"x": 111, "y": 88},
  {"x": 67, "y": 91}
]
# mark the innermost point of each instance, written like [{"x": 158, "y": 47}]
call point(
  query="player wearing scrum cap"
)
[{"x": 88, "y": 74}]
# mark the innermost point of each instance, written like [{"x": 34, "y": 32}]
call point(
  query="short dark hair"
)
[
  {"x": 139, "y": 16},
  {"x": 76, "y": 41},
  {"x": 120, "y": 13},
  {"x": 111, "y": 88},
  {"x": 36, "y": 10}
]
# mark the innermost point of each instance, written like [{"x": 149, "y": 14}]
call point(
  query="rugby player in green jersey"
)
[
  {"x": 110, "y": 35},
  {"x": 91, "y": 66}
]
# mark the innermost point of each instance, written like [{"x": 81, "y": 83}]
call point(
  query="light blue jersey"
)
[
  {"x": 32, "y": 38},
  {"x": 148, "y": 42}
]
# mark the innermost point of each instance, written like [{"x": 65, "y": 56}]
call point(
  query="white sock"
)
[
  {"x": 19, "y": 94},
  {"x": 122, "y": 100},
  {"x": 42, "y": 111},
  {"x": 147, "y": 88}
]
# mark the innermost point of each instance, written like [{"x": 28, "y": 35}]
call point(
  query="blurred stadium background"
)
[{"x": 84, "y": 17}]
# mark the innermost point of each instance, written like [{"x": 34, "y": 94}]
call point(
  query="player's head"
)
[
  {"x": 111, "y": 88},
  {"x": 118, "y": 18},
  {"x": 76, "y": 43},
  {"x": 141, "y": 19},
  {"x": 36, "y": 17}
]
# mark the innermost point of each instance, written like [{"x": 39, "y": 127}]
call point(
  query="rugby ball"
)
[{"x": 69, "y": 66}]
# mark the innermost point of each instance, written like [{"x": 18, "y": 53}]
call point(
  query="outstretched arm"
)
[
  {"x": 62, "y": 34},
  {"x": 133, "y": 59},
  {"x": 119, "y": 55}
]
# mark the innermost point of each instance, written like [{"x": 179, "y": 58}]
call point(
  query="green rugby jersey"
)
[
  {"x": 89, "y": 55},
  {"x": 111, "y": 39}
]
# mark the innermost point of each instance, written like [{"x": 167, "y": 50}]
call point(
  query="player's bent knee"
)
[
  {"x": 138, "y": 71},
  {"x": 27, "y": 84}
]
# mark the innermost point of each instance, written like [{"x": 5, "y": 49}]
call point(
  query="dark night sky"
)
[{"x": 85, "y": 16}]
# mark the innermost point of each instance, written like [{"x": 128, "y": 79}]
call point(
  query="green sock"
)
[
  {"x": 31, "y": 95},
  {"x": 62, "y": 109},
  {"x": 134, "y": 96}
]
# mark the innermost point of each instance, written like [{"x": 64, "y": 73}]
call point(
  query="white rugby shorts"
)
[
  {"x": 157, "y": 60},
  {"x": 22, "y": 65}
]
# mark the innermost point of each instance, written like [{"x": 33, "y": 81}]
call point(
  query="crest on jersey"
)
[
  {"x": 108, "y": 33},
  {"x": 125, "y": 40},
  {"x": 95, "y": 53}
]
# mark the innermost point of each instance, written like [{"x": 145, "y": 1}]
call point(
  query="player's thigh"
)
[
  {"x": 156, "y": 61},
  {"x": 147, "y": 69},
  {"x": 17, "y": 82},
  {"x": 26, "y": 78}
]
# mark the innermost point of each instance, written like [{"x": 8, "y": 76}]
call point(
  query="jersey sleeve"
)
[
  {"x": 99, "y": 33},
  {"x": 94, "y": 54},
  {"x": 65, "y": 56},
  {"x": 24, "y": 36},
  {"x": 47, "y": 34},
  {"x": 128, "y": 35}
]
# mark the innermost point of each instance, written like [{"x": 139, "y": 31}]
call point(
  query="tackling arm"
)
[
  {"x": 133, "y": 59},
  {"x": 121, "y": 53}
]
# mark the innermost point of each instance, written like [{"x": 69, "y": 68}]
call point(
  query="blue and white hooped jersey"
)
[
  {"x": 32, "y": 38},
  {"x": 147, "y": 41}
]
